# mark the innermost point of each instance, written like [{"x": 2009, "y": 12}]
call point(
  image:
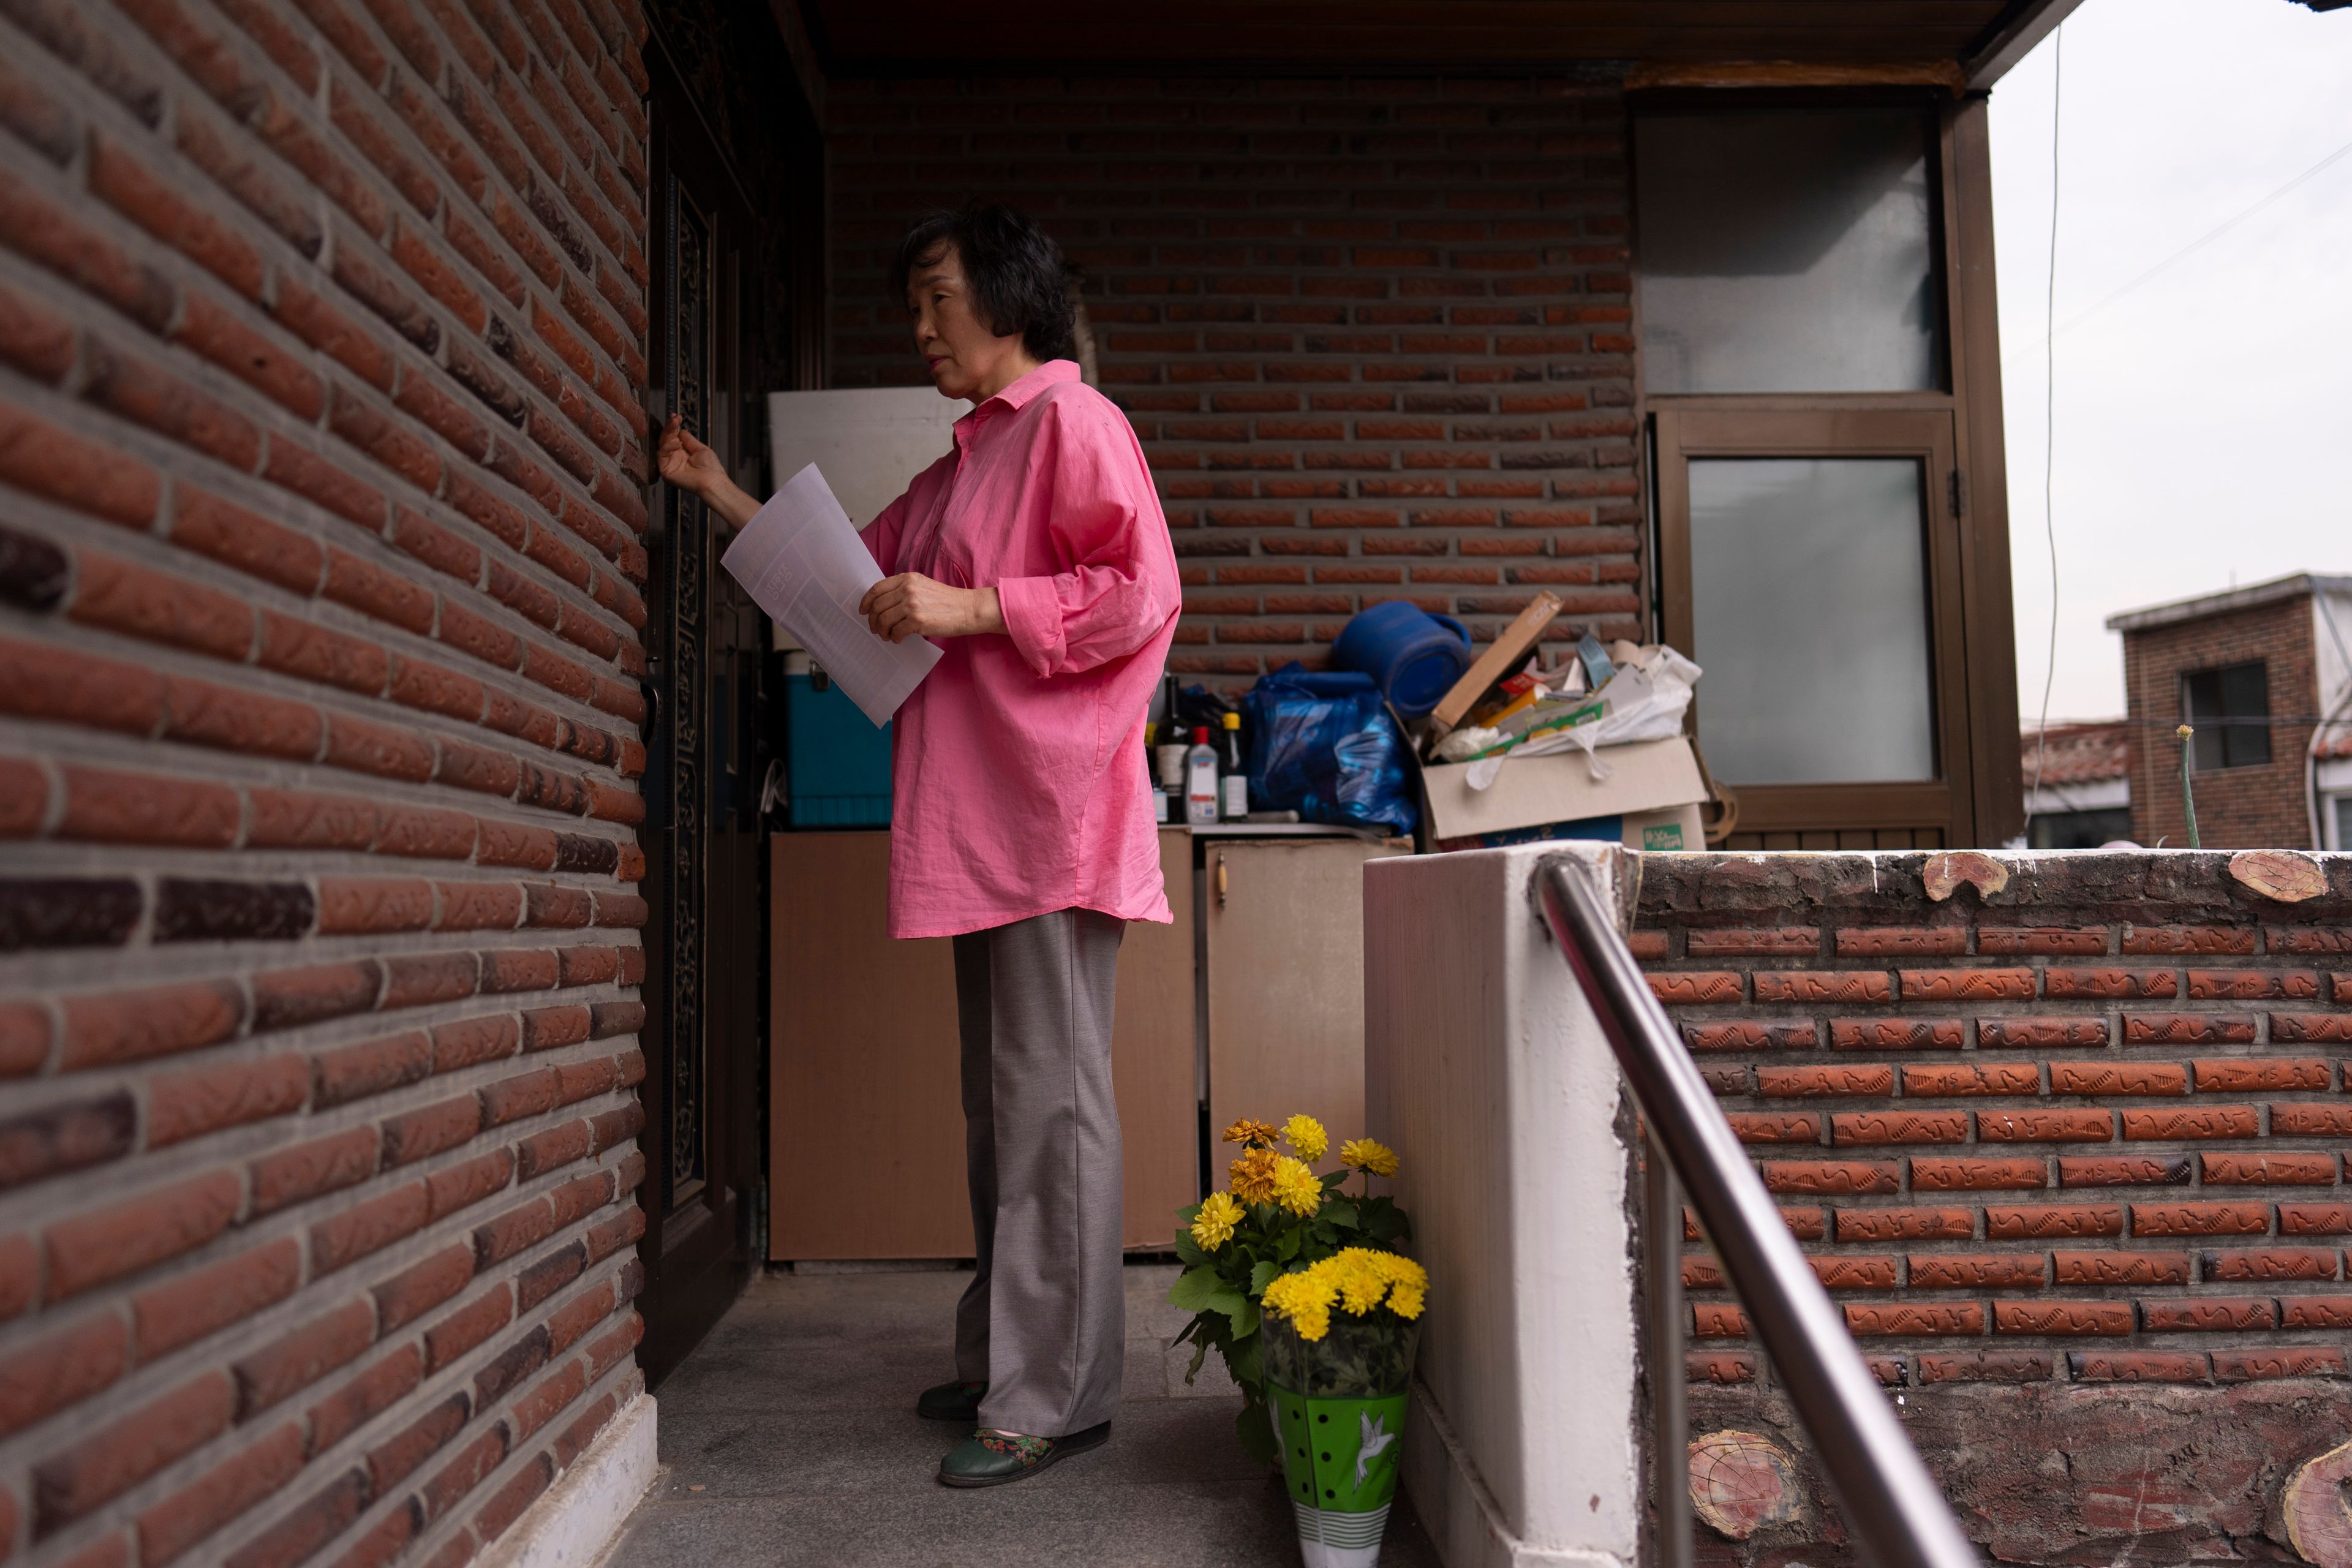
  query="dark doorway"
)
[{"x": 716, "y": 327}]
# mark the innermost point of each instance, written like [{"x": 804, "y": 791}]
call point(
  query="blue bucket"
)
[{"x": 1412, "y": 655}]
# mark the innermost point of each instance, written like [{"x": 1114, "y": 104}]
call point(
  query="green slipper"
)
[
  {"x": 951, "y": 1402},
  {"x": 990, "y": 1458}
]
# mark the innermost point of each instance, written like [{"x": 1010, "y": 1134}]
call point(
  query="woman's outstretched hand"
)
[
  {"x": 690, "y": 465},
  {"x": 911, "y": 605}
]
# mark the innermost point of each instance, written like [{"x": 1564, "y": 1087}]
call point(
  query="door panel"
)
[
  {"x": 703, "y": 672},
  {"x": 1286, "y": 984},
  {"x": 865, "y": 1076}
]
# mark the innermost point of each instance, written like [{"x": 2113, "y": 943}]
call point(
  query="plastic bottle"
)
[
  {"x": 1159, "y": 796},
  {"x": 1201, "y": 781},
  {"x": 1232, "y": 773}
]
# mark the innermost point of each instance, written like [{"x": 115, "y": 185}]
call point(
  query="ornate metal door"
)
[{"x": 701, "y": 1139}]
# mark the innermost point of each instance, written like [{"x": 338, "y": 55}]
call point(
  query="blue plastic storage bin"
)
[
  {"x": 836, "y": 763},
  {"x": 1412, "y": 655}
]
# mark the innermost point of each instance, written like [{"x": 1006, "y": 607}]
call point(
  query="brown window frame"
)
[
  {"x": 1780, "y": 426},
  {"x": 1978, "y": 796}
]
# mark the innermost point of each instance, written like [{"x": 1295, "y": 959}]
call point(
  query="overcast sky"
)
[{"x": 2204, "y": 419}]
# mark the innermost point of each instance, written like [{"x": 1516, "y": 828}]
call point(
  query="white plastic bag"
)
[{"x": 1647, "y": 698}]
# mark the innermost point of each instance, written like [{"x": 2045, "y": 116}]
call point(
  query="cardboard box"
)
[{"x": 1653, "y": 793}]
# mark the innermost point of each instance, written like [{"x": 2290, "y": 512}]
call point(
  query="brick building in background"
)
[{"x": 2254, "y": 671}]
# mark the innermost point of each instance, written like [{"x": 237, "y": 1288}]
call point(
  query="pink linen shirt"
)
[{"x": 1017, "y": 771}]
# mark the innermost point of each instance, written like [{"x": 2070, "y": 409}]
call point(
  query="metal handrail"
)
[{"x": 1896, "y": 1512}]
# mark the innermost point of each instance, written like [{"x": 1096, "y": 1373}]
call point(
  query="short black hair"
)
[{"x": 1019, "y": 281}]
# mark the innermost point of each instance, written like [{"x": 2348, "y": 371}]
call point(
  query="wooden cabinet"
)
[
  {"x": 1283, "y": 973},
  {"x": 866, "y": 1118},
  {"x": 865, "y": 1115}
]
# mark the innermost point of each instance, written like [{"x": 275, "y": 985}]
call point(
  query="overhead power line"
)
[{"x": 2202, "y": 240}]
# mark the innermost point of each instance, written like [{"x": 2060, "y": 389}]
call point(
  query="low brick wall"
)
[
  {"x": 320, "y": 564},
  {"x": 2064, "y": 1134}
]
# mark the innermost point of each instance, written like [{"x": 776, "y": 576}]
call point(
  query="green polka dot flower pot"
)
[{"x": 1337, "y": 1405}]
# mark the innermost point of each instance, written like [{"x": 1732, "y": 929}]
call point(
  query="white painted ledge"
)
[
  {"x": 1486, "y": 1072},
  {"x": 576, "y": 1522}
]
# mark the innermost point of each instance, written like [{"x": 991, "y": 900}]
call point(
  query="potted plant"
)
[
  {"x": 1339, "y": 1343},
  {"x": 1274, "y": 1216}
]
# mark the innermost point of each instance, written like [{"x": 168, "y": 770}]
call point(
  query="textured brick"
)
[
  {"x": 2270, "y": 1168},
  {"x": 1878, "y": 1127},
  {"x": 1904, "y": 1225},
  {"x": 2118, "y": 1077},
  {"x": 2126, "y": 1171},
  {"x": 1972, "y": 1079},
  {"x": 96, "y": 1247},
  {"x": 1976, "y": 1175},
  {"x": 1974, "y": 1271},
  {"x": 2137, "y": 1366},
  {"x": 1897, "y": 1034},
  {"x": 2051, "y": 1221},
  {"x": 1914, "y": 1319},
  {"x": 69, "y": 1483},
  {"x": 2112, "y": 1268},
  {"x": 2045, "y": 1126},
  {"x": 2200, "y": 1219},
  {"x": 2187, "y": 1029},
  {"x": 2192, "y": 1122},
  {"x": 1986, "y": 1366},
  {"x": 2040, "y": 1034},
  {"x": 2062, "y": 1318},
  {"x": 1819, "y": 988},
  {"x": 1830, "y": 1177}
]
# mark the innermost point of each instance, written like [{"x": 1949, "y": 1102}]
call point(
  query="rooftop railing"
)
[{"x": 1893, "y": 1507}]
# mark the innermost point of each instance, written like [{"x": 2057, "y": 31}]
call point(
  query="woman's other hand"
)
[
  {"x": 911, "y": 605},
  {"x": 690, "y": 465}
]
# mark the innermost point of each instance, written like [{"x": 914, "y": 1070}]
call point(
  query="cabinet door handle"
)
[{"x": 1220, "y": 882}]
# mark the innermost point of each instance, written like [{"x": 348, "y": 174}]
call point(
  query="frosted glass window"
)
[
  {"x": 1787, "y": 252},
  {"x": 1809, "y": 610}
]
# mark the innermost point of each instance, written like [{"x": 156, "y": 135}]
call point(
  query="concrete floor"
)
[{"x": 789, "y": 1437}]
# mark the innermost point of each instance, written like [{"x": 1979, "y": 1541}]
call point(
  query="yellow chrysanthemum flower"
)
[
  {"x": 1214, "y": 1225},
  {"x": 1306, "y": 1135},
  {"x": 1253, "y": 1175},
  {"x": 1368, "y": 1155},
  {"x": 1355, "y": 1279},
  {"x": 1253, "y": 1134},
  {"x": 1361, "y": 1289},
  {"x": 1295, "y": 1188}
]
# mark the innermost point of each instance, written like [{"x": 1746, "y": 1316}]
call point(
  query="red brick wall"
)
[
  {"x": 1375, "y": 335},
  {"x": 2237, "y": 808},
  {"x": 320, "y": 514},
  {"x": 2076, "y": 1124}
]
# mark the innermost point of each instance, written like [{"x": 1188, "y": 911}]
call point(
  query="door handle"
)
[{"x": 1221, "y": 881}]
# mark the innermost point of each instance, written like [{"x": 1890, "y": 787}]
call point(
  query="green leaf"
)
[
  {"x": 1195, "y": 1289},
  {"x": 1335, "y": 1178},
  {"x": 1255, "y": 1430},
  {"x": 1188, "y": 1214},
  {"x": 1245, "y": 1321},
  {"x": 1288, "y": 1249},
  {"x": 1188, "y": 1251},
  {"x": 1232, "y": 1303},
  {"x": 1262, "y": 1276},
  {"x": 1200, "y": 1354},
  {"x": 1341, "y": 1213}
]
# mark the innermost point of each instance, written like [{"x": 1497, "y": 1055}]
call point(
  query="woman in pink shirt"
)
[{"x": 1035, "y": 555}]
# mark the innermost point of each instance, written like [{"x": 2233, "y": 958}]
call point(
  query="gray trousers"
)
[{"x": 1044, "y": 1322}]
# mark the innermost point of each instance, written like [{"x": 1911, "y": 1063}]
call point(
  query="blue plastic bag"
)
[{"x": 1326, "y": 747}]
